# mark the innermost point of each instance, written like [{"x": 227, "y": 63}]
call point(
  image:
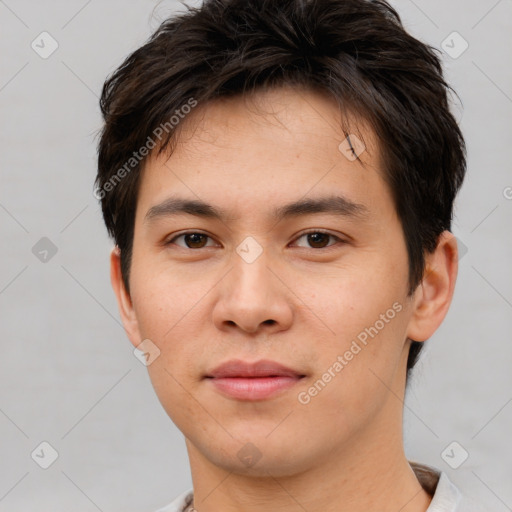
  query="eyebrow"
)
[{"x": 336, "y": 205}]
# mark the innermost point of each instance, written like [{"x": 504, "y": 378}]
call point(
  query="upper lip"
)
[{"x": 263, "y": 368}]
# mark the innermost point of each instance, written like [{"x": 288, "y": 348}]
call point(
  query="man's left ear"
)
[{"x": 434, "y": 294}]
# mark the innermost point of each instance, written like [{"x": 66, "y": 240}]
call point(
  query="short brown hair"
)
[{"x": 356, "y": 51}]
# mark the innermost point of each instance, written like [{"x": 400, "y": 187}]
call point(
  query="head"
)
[{"x": 249, "y": 106}]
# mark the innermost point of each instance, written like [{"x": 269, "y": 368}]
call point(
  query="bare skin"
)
[{"x": 302, "y": 302}]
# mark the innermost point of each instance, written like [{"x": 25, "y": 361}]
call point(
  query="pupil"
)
[
  {"x": 194, "y": 238},
  {"x": 316, "y": 238}
]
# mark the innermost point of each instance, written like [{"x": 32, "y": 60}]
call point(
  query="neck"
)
[{"x": 372, "y": 474}]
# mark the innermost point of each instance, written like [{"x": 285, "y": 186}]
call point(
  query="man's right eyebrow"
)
[{"x": 176, "y": 206}]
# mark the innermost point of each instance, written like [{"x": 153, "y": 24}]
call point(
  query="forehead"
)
[
  {"x": 254, "y": 152},
  {"x": 283, "y": 117}
]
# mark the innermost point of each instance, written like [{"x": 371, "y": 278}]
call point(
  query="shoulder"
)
[{"x": 179, "y": 504}]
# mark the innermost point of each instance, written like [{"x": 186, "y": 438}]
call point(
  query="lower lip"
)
[{"x": 258, "y": 388}]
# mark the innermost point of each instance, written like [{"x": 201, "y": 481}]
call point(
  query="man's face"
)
[{"x": 252, "y": 286}]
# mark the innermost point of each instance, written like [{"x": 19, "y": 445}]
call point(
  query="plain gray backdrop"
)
[{"x": 68, "y": 373}]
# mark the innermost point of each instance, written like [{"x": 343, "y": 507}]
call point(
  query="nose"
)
[{"x": 253, "y": 297}]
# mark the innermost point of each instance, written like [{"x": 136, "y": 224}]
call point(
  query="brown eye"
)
[
  {"x": 195, "y": 240},
  {"x": 318, "y": 239},
  {"x": 192, "y": 240}
]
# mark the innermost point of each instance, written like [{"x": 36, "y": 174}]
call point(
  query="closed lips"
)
[{"x": 241, "y": 369}]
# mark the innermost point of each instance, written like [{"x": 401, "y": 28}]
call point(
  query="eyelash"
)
[{"x": 338, "y": 239}]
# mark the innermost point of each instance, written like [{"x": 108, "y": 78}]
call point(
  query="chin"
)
[{"x": 259, "y": 457}]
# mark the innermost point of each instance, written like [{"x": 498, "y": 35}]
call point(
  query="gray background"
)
[{"x": 68, "y": 374}]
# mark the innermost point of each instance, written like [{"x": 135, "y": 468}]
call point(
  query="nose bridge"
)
[
  {"x": 250, "y": 273},
  {"x": 251, "y": 296}
]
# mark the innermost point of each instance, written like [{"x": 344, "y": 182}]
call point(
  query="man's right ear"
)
[{"x": 124, "y": 302}]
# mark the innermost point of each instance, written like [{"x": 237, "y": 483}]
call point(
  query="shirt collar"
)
[{"x": 445, "y": 496}]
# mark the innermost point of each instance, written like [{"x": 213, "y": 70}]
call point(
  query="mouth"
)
[{"x": 260, "y": 380}]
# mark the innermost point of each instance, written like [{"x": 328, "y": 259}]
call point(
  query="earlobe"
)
[
  {"x": 124, "y": 301},
  {"x": 433, "y": 296}
]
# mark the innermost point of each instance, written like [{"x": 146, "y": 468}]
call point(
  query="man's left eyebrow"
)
[{"x": 337, "y": 205}]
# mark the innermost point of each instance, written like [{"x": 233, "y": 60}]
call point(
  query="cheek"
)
[
  {"x": 356, "y": 371},
  {"x": 357, "y": 296},
  {"x": 368, "y": 313},
  {"x": 163, "y": 298},
  {"x": 173, "y": 310},
  {"x": 167, "y": 312}
]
